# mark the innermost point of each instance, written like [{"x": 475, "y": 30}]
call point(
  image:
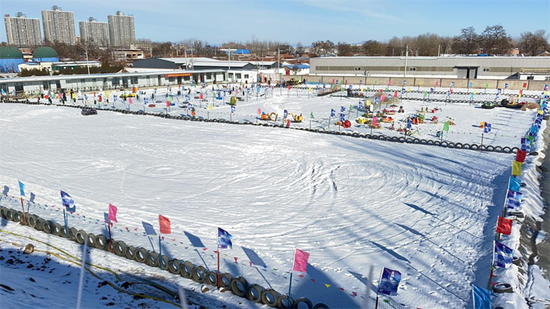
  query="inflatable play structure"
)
[
  {"x": 488, "y": 105},
  {"x": 86, "y": 111},
  {"x": 296, "y": 118},
  {"x": 271, "y": 116}
]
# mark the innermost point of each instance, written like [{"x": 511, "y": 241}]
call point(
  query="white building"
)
[
  {"x": 94, "y": 32},
  {"x": 121, "y": 30},
  {"x": 22, "y": 31},
  {"x": 59, "y": 26}
]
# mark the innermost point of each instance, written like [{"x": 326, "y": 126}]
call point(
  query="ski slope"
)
[{"x": 353, "y": 204}]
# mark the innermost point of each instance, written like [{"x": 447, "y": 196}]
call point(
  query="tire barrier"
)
[
  {"x": 514, "y": 149},
  {"x": 91, "y": 240},
  {"x": 270, "y": 297},
  {"x": 81, "y": 237},
  {"x": 152, "y": 259},
  {"x": 140, "y": 255},
  {"x": 444, "y": 144},
  {"x": 16, "y": 216},
  {"x": 490, "y": 148},
  {"x": 59, "y": 230},
  {"x": 186, "y": 269},
  {"x": 129, "y": 253},
  {"x": 9, "y": 214},
  {"x": 381, "y": 138},
  {"x": 47, "y": 227},
  {"x": 2, "y": 211},
  {"x": 101, "y": 242},
  {"x": 303, "y": 300},
  {"x": 211, "y": 278},
  {"x": 451, "y": 145},
  {"x": 474, "y": 147},
  {"x": 72, "y": 233},
  {"x": 174, "y": 266},
  {"x": 163, "y": 262},
  {"x": 437, "y": 143},
  {"x": 286, "y": 302},
  {"x": 507, "y": 149},
  {"x": 482, "y": 147},
  {"x": 198, "y": 274},
  {"x": 239, "y": 286},
  {"x": 119, "y": 247},
  {"x": 409, "y": 140},
  {"x": 402, "y": 139},
  {"x": 516, "y": 260},
  {"x": 395, "y": 139},
  {"x": 459, "y": 146},
  {"x": 225, "y": 280},
  {"x": 254, "y": 293},
  {"x": 503, "y": 288}
]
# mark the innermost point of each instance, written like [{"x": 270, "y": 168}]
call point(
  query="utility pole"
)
[
  {"x": 406, "y": 58},
  {"x": 278, "y": 62},
  {"x": 87, "y": 61}
]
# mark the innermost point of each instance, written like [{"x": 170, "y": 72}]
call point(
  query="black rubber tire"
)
[
  {"x": 515, "y": 150},
  {"x": 320, "y": 306},
  {"x": 490, "y": 148},
  {"x": 430, "y": 142},
  {"x": 416, "y": 141},
  {"x": 130, "y": 253},
  {"x": 503, "y": 288},
  {"x": 507, "y": 149},
  {"x": 47, "y": 227},
  {"x": 186, "y": 269},
  {"x": 3, "y": 211},
  {"x": 474, "y": 147},
  {"x": 381, "y": 138},
  {"x": 254, "y": 293},
  {"x": 270, "y": 297},
  {"x": 163, "y": 262},
  {"x": 451, "y": 145},
  {"x": 91, "y": 240},
  {"x": 395, "y": 139},
  {"x": 198, "y": 274},
  {"x": 140, "y": 255},
  {"x": 58, "y": 229},
  {"x": 285, "y": 299},
  {"x": 466, "y": 146},
  {"x": 482, "y": 147},
  {"x": 16, "y": 216},
  {"x": 152, "y": 259},
  {"x": 225, "y": 280},
  {"x": 239, "y": 286},
  {"x": 32, "y": 220},
  {"x": 9, "y": 214},
  {"x": 437, "y": 143},
  {"x": 174, "y": 266},
  {"x": 409, "y": 140},
  {"x": 72, "y": 233},
  {"x": 402, "y": 139},
  {"x": 101, "y": 242},
  {"x": 119, "y": 247},
  {"x": 303, "y": 300},
  {"x": 444, "y": 144},
  {"x": 459, "y": 146},
  {"x": 498, "y": 149},
  {"x": 80, "y": 237},
  {"x": 211, "y": 278}
]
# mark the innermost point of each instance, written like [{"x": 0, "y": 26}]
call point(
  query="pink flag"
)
[
  {"x": 300, "y": 261},
  {"x": 129, "y": 100},
  {"x": 389, "y": 83},
  {"x": 383, "y": 98},
  {"x": 436, "y": 84},
  {"x": 112, "y": 213},
  {"x": 374, "y": 121},
  {"x": 259, "y": 111},
  {"x": 164, "y": 224}
]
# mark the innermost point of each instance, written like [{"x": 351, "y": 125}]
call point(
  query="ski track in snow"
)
[{"x": 351, "y": 203}]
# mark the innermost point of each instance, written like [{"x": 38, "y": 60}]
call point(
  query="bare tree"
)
[
  {"x": 533, "y": 44},
  {"x": 495, "y": 40},
  {"x": 374, "y": 48},
  {"x": 467, "y": 42},
  {"x": 344, "y": 49}
]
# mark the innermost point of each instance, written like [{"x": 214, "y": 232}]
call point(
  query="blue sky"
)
[{"x": 305, "y": 21}]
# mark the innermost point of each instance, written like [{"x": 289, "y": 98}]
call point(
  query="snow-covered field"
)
[{"x": 353, "y": 204}]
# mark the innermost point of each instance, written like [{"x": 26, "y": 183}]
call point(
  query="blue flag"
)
[
  {"x": 342, "y": 109},
  {"x": 145, "y": 100},
  {"x": 431, "y": 90},
  {"x": 505, "y": 85},
  {"x": 3, "y": 92},
  {"x": 513, "y": 203},
  {"x": 487, "y": 128},
  {"x": 452, "y": 84},
  {"x": 224, "y": 239},
  {"x": 332, "y": 112},
  {"x": 409, "y": 124},
  {"x": 360, "y": 104},
  {"x": 515, "y": 184},
  {"x": 503, "y": 255},
  {"x": 342, "y": 117},
  {"x": 285, "y": 113},
  {"x": 403, "y": 90},
  {"x": 389, "y": 282},
  {"x": 404, "y": 82},
  {"x": 67, "y": 202},
  {"x": 482, "y": 298},
  {"x": 21, "y": 188},
  {"x": 232, "y": 108},
  {"x": 6, "y": 190},
  {"x": 32, "y": 197},
  {"x": 470, "y": 85},
  {"x": 149, "y": 229}
]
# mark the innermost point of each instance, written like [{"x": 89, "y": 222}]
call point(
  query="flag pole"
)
[
  {"x": 381, "y": 272},
  {"x": 24, "y": 216},
  {"x": 291, "y": 272},
  {"x": 492, "y": 267},
  {"x": 66, "y": 228},
  {"x": 160, "y": 252},
  {"x": 110, "y": 239},
  {"x": 328, "y": 122},
  {"x": 218, "y": 279}
]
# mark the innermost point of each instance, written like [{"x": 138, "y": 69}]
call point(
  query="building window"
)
[
  {"x": 412, "y": 69},
  {"x": 246, "y": 76},
  {"x": 486, "y": 70},
  {"x": 357, "y": 69},
  {"x": 171, "y": 79},
  {"x": 530, "y": 77},
  {"x": 238, "y": 75}
]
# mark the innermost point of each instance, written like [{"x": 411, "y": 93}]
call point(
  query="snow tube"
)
[
  {"x": 31, "y": 220},
  {"x": 474, "y": 147},
  {"x": 186, "y": 269},
  {"x": 239, "y": 286},
  {"x": 346, "y": 124},
  {"x": 286, "y": 302},
  {"x": 58, "y": 230},
  {"x": 152, "y": 259},
  {"x": 507, "y": 149},
  {"x": 129, "y": 253},
  {"x": 270, "y": 297},
  {"x": 163, "y": 262},
  {"x": 320, "y": 306},
  {"x": 101, "y": 242},
  {"x": 47, "y": 227},
  {"x": 198, "y": 274},
  {"x": 119, "y": 247},
  {"x": 459, "y": 145},
  {"x": 303, "y": 300},
  {"x": 80, "y": 237},
  {"x": 174, "y": 266},
  {"x": 502, "y": 288},
  {"x": 140, "y": 255},
  {"x": 225, "y": 280},
  {"x": 254, "y": 293}
]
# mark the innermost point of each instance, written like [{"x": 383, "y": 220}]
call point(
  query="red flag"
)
[
  {"x": 167, "y": 103},
  {"x": 112, "y": 213},
  {"x": 300, "y": 261},
  {"x": 521, "y": 90},
  {"x": 288, "y": 87},
  {"x": 395, "y": 94},
  {"x": 504, "y": 226},
  {"x": 520, "y": 156},
  {"x": 524, "y": 85},
  {"x": 164, "y": 224}
]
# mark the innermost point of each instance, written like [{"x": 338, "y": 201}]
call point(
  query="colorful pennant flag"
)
[
  {"x": 481, "y": 298},
  {"x": 224, "y": 239},
  {"x": 520, "y": 155},
  {"x": 112, "y": 213},
  {"x": 389, "y": 282},
  {"x": 300, "y": 261},
  {"x": 164, "y": 224},
  {"x": 67, "y": 201},
  {"x": 21, "y": 188},
  {"x": 149, "y": 229},
  {"x": 503, "y": 255},
  {"x": 516, "y": 168},
  {"x": 504, "y": 226}
]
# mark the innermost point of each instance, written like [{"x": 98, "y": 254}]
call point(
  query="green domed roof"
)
[
  {"x": 44, "y": 52},
  {"x": 10, "y": 52}
]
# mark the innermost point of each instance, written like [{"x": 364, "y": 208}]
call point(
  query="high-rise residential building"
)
[
  {"x": 22, "y": 31},
  {"x": 94, "y": 32},
  {"x": 59, "y": 26},
  {"x": 121, "y": 30}
]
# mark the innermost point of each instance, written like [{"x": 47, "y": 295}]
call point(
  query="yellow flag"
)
[
  {"x": 362, "y": 89},
  {"x": 309, "y": 89},
  {"x": 420, "y": 84},
  {"x": 475, "y": 92},
  {"x": 368, "y": 102},
  {"x": 519, "y": 95},
  {"x": 108, "y": 94},
  {"x": 409, "y": 89},
  {"x": 209, "y": 107},
  {"x": 327, "y": 285},
  {"x": 516, "y": 168},
  {"x": 541, "y": 112}
]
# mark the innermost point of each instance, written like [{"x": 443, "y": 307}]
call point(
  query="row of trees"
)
[{"x": 494, "y": 40}]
